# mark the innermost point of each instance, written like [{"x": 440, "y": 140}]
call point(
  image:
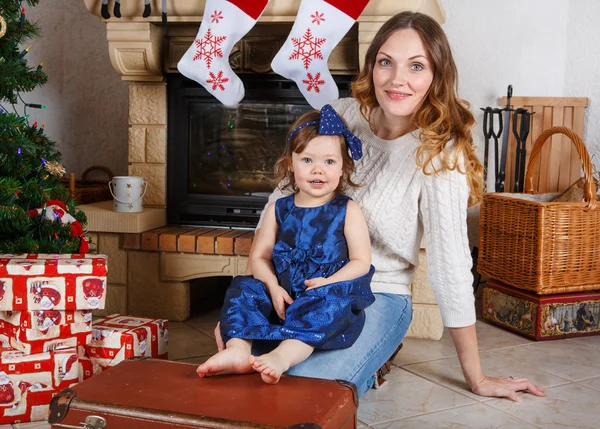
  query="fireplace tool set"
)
[
  {"x": 147, "y": 10},
  {"x": 496, "y": 126}
]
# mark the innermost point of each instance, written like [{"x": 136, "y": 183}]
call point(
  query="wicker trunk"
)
[
  {"x": 536, "y": 244},
  {"x": 542, "y": 317}
]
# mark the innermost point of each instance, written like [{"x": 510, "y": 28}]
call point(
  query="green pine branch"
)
[{"x": 29, "y": 161}]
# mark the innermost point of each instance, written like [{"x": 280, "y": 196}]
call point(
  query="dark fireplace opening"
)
[{"x": 220, "y": 159}]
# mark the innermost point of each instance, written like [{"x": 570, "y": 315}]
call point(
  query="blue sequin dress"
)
[{"x": 310, "y": 243}]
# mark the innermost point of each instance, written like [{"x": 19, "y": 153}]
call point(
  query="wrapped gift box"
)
[
  {"x": 542, "y": 317},
  {"x": 43, "y": 330},
  {"x": 119, "y": 337},
  {"x": 86, "y": 367},
  {"x": 28, "y": 382},
  {"x": 52, "y": 282}
]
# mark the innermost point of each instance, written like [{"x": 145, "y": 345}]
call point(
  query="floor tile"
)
[
  {"x": 186, "y": 342},
  {"x": 594, "y": 383},
  {"x": 415, "y": 351},
  {"x": 406, "y": 395},
  {"x": 593, "y": 341},
  {"x": 568, "y": 359},
  {"x": 491, "y": 337},
  {"x": 478, "y": 416},
  {"x": 205, "y": 322},
  {"x": 568, "y": 406},
  {"x": 448, "y": 372}
]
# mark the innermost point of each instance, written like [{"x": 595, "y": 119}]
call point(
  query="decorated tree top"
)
[{"x": 36, "y": 213}]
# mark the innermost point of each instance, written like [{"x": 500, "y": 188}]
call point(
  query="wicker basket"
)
[
  {"x": 544, "y": 247},
  {"x": 87, "y": 191}
]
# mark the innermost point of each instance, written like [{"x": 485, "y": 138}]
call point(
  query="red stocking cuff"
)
[{"x": 351, "y": 8}]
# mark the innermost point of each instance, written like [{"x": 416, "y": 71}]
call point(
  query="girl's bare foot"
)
[
  {"x": 270, "y": 366},
  {"x": 232, "y": 360}
]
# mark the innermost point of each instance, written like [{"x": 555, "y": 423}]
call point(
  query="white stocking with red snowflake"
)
[
  {"x": 318, "y": 28},
  {"x": 207, "y": 60}
]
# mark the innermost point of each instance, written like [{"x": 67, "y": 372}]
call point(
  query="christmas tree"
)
[{"x": 36, "y": 213}]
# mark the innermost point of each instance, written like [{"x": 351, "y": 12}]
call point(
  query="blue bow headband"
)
[{"x": 331, "y": 124}]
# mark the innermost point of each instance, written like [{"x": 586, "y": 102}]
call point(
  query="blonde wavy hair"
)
[{"x": 442, "y": 116}]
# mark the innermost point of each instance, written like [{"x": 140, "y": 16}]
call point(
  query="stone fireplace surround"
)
[{"x": 142, "y": 52}]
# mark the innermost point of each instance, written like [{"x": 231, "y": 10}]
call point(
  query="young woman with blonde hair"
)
[{"x": 419, "y": 174}]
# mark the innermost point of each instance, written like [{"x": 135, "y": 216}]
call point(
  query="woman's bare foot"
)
[
  {"x": 270, "y": 366},
  {"x": 232, "y": 360}
]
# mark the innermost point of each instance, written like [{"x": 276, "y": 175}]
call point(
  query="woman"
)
[{"x": 419, "y": 174}]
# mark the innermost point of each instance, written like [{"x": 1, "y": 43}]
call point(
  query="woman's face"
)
[{"x": 402, "y": 74}]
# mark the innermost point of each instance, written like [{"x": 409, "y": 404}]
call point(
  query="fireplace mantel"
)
[{"x": 136, "y": 44}]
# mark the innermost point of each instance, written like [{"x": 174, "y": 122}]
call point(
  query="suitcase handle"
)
[{"x": 91, "y": 422}]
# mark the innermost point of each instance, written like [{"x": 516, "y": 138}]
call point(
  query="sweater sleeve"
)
[{"x": 443, "y": 209}]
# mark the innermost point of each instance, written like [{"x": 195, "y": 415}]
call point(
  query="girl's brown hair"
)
[
  {"x": 442, "y": 116},
  {"x": 298, "y": 142}
]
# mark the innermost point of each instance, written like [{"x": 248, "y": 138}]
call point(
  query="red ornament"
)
[{"x": 56, "y": 209}]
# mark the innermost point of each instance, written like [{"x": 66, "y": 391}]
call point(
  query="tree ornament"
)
[
  {"x": 55, "y": 169},
  {"x": 2, "y": 26},
  {"x": 54, "y": 210},
  {"x": 2, "y": 23}
]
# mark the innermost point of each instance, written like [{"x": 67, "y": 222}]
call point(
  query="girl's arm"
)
[
  {"x": 261, "y": 261},
  {"x": 262, "y": 248},
  {"x": 359, "y": 249}
]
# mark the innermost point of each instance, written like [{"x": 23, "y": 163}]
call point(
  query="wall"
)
[
  {"x": 541, "y": 47},
  {"x": 87, "y": 101},
  {"x": 582, "y": 65}
]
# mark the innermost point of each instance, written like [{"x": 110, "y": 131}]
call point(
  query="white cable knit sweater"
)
[{"x": 400, "y": 204}]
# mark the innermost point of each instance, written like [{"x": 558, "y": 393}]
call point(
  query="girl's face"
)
[
  {"x": 317, "y": 170},
  {"x": 402, "y": 74}
]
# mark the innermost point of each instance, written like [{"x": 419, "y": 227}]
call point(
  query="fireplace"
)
[
  {"x": 145, "y": 53},
  {"x": 220, "y": 159}
]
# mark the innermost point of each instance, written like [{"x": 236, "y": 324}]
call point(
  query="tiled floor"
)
[{"x": 426, "y": 389}]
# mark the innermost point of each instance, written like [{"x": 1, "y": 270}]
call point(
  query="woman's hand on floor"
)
[{"x": 506, "y": 387}]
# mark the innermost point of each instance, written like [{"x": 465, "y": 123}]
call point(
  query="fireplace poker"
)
[
  {"x": 521, "y": 137},
  {"x": 502, "y": 171}
]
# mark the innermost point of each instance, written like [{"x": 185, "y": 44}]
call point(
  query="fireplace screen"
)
[
  {"x": 233, "y": 150},
  {"x": 220, "y": 159}
]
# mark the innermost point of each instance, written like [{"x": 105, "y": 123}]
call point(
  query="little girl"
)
[{"x": 311, "y": 262}]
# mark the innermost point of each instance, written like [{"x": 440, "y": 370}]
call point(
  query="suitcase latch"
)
[{"x": 91, "y": 422}]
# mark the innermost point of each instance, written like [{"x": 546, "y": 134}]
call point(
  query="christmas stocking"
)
[
  {"x": 225, "y": 22},
  {"x": 319, "y": 27}
]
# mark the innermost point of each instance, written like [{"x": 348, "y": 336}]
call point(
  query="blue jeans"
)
[{"x": 385, "y": 326}]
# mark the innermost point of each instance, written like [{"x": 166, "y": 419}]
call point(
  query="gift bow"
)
[{"x": 332, "y": 125}]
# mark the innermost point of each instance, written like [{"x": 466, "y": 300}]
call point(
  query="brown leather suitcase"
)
[{"x": 157, "y": 394}]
